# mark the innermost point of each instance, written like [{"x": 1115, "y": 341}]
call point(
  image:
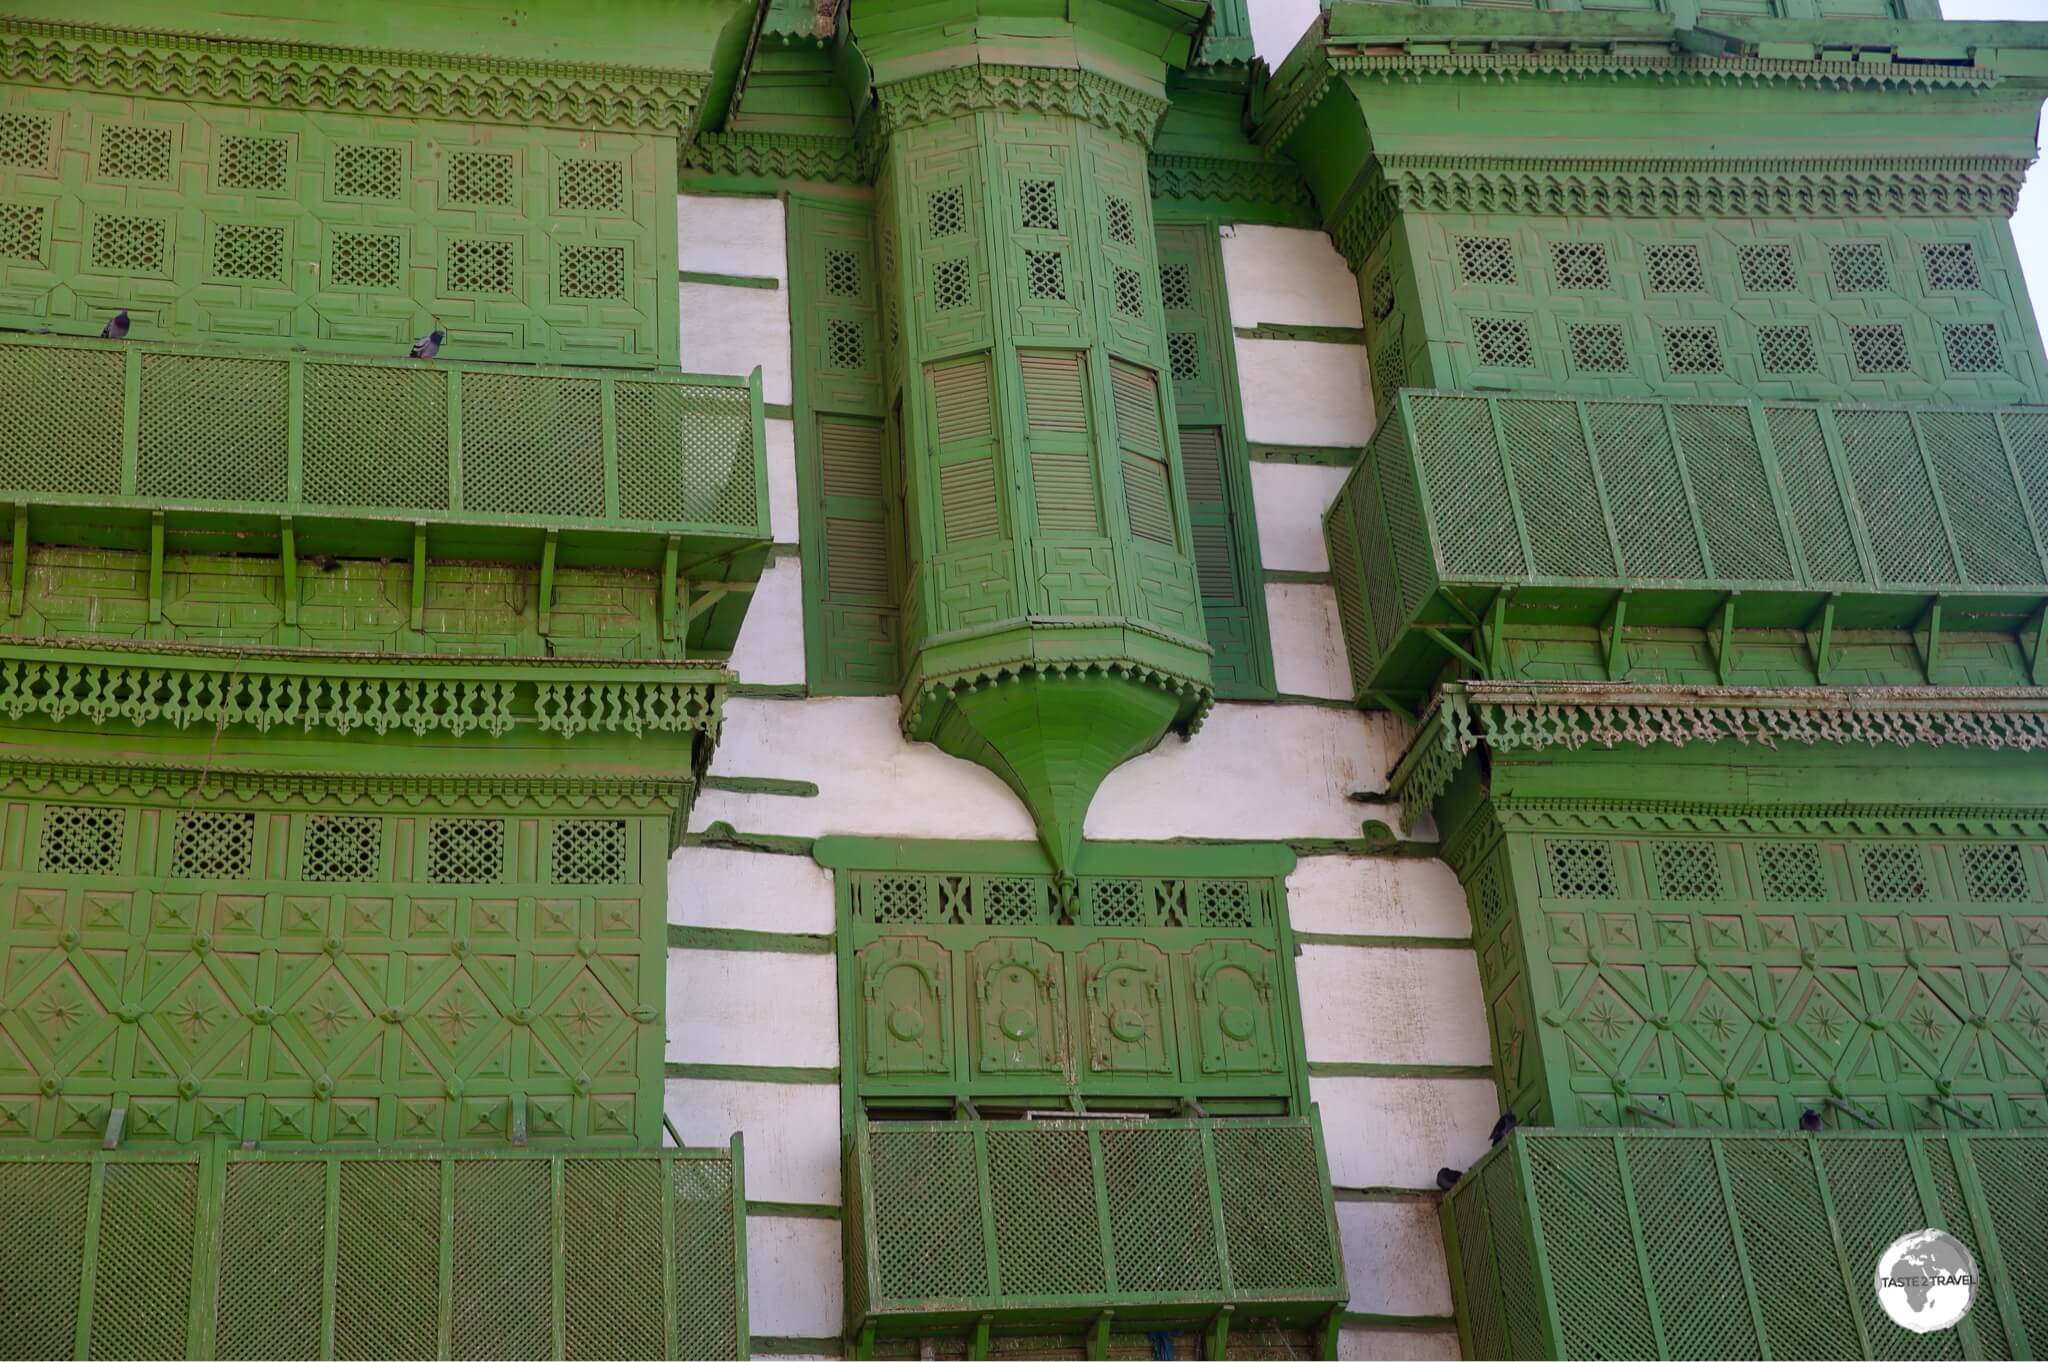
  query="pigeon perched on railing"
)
[
  {"x": 429, "y": 345},
  {"x": 1501, "y": 1127},
  {"x": 116, "y": 327}
]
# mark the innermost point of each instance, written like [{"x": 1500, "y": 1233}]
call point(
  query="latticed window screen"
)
[
  {"x": 342, "y": 847},
  {"x": 1880, "y": 348},
  {"x": 366, "y": 170},
  {"x": 213, "y": 844},
  {"x": 1767, "y": 267},
  {"x": 1786, "y": 349},
  {"x": 1674, "y": 269},
  {"x": 81, "y": 839},
  {"x": 21, "y": 231},
  {"x": 1599, "y": 347},
  {"x": 946, "y": 211},
  {"x": 591, "y": 851},
  {"x": 1972, "y": 347},
  {"x": 1503, "y": 343},
  {"x": 24, "y": 140},
  {"x": 1045, "y": 275},
  {"x": 1486, "y": 260},
  {"x": 131, "y": 151},
  {"x": 253, "y": 163},
  {"x": 1951, "y": 265},
  {"x": 466, "y": 850},
  {"x": 590, "y": 186},
  {"x": 1692, "y": 349},
  {"x": 1576, "y": 265},
  {"x": 1859, "y": 267},
  {"x": 480, "y": 177}
]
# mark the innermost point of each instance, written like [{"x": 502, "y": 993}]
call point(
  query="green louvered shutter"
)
[
  {"x": 851, "y": 567},
  {"x": 963, "y": 420},
  {"x": 1200, "y": 355},
  {"x": 1062, "y": 469},
  {"x": 1148, "y": 494}
]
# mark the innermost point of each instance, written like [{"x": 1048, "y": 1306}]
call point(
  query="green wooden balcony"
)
[
  {"x": 498, "y": 462},
  {"x": 1751, "y": 543},
  {"x": 1047, "y": 1225},
  {"x": 1598, "y": 1243},
  {"x": 457, "y": 1252}
]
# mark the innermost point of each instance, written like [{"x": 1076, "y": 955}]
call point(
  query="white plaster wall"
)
[
  {"x": 1289, "y": 275},
  {"x": 752, "y": 1007},
  {"x": 1304, "y": 392},
  {"x": 1376, "y": 1234},
  {"x": 1308, "y": 649},
  {"x": 728, "y": 330},
  {"x": 793, "y": 1277},
  {"x": 1253, "y": 772},
  {"x": 770, "y": 649},
  {"x": 780, "y": 450},
  {"x": 1396, "y": 1345},
  {"x": 723, "y": 234},
  {"x": 1365, "y": 896},
  {"x": 1396, "y": 1132},
  {"x": 1289, "y": 500},
  {"x": 791, "y": 1129},
  {"x": 869, "y": 780},
  {"x": 751, "y": 890},
  {"x": 1392, "y": 1005}
]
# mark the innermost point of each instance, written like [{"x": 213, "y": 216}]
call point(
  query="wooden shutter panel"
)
[
  {"x": 856, "y": 536},
  {"x": 1210, "y": 528},
  {"x": 1062, "y": 469},
  {"x": 962, "y": 411},
  {"x": 1055, "y": 399},
  {"x": 1136, "y": 392}
]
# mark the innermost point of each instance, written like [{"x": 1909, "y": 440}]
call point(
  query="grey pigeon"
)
[
  {"x": 429, "y": 345},
  {"x": 1809, "y": 1120},
  {"x": 1501, "y": 1127},
  {"x": 116, "y": 327}
]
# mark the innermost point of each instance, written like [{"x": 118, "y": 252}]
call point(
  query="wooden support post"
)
[
  {"x": 1328, "y": 1335},
  {"x": 669, "y": 557},
  {"x": 1444, "y": 641},
  {"x": 419, "y": 574},
  {"x": 1722, "y": 637},
  {"x": 547, "y": 578},
  {"x": 2037, "y": 660},
  {"x": 1612, "y": 626},
  {"x": 519, "y": 1118},
  {"x": 156, "y": 566},
  {"x": 1219, "y": 1334},
  {"x": 864, "y": 1343},
  {"x": 1823, "y": 650},
  {"x": 17, "y": 567},
  {"x": 116, "y": 1119},
  {"x": 1933, "y": 621},
  {"x": 288, "y": 560},
  {"x": 1496, "y": 633},
  {"x": 1098, "y": 1335},
  {"x": 977, "y": 1346}
]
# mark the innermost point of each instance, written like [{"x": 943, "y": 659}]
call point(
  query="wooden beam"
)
[
  {"x": 1721, "y": 637},
  {"x": 1098, "y": 1335},
  {"x": 1496, "y": 632},
  {"x": 669, "y": 557},
  {"x": 1613, "y": 626},
  {"x": 419, "y": 574},
  {"x": 288, "y": 560},
  {"x": 1455, "y": 649},
  {"x": 547, "y": 578},
  {"x": 1932, "y": 620},
  {"x": 17, "y": 567},
  {"x": 1219, "y": 1334},
  {"x": 156, "y": 566},
  {"x": 977, "y": 1346},
  {"x": 2037, "y": 659},
  {"x": 1823, "y": 649}
]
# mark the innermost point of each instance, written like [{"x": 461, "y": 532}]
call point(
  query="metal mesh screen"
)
[
  {"x": 1461, "y": 465},
  {"x": 1042, "y": 1188},
  {"x": 1640, "y": 468},
  {"x": 142, "y": 1282},
  {"x": 1733, "y": 492},
  {"x": 1677, "y": 1183},
  {"x": 42, "y": 1252},
  {"x": 1561, "y": 503},
  {"x": 706, "y": 1240},
  {"x": 1898, "y": 506},
  {"x": 398, "y": 417},
  {"x": 1982, "y": 502},
  {"x": 1818, "y": 512},
  {"x": 1274, "y": 1219},
  {"x": 273, "y": 1238},
  {"x": 1159, "y": 1216},
  {"x": 612, "y": 1258},
  {"x": 1578, "y": 1189},
  {"x": 213, "y": 429},
  {"x": 927, "y": 1213},
  {"x": 532, "y": 446},
  {"x": 388, "y": 1260},
  {"x": 504, "y": 1272},
  {"x": 60, "y": 420}
]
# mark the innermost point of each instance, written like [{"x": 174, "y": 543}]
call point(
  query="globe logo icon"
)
[{"x": 1926, "y": 1280}]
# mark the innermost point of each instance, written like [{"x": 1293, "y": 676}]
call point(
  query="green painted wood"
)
[
  {"x": 1801, "y": 1217},
  {"x": 431, "y": 1252}
]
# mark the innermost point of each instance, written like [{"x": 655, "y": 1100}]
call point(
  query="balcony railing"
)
[
  {"x": 96, "y": 436},
  {"x": 1469, "y": 511},
  {"x": 1047, "y": 1224},
  {"x": 226, "y": 1252},
  {"x": 1570, "y": 1243}
]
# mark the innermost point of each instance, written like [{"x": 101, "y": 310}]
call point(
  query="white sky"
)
[{"x": 1278, "y": 24}]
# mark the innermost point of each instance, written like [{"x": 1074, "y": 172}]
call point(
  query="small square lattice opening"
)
[
  {"x": 478, "y": 266},
  {"x": 1791, "y": 872},
  {"x": 80, "y": 839},
  {"x": 1581, "y": 868},
  {"x": 1045, "y": 275},
  {"x": 1176, "y": 288},
  {"x": 1786, "y": 350},
  {"x": 1893, "y": 872},
  {"x": 213, "y": 844},
  {"x": 590, "y": 186},
  {"x": 949, "y": 285},
  {"x": 1950, "y": 265},
  {"x": 365, "y": 260},
  {"x": 1486, "y": 260},
  {"x": 842, "y": 273},
  {"x": 590, "y": 851},
  {"x": 1117, "y": 903},
  {"x": 1674, "y": 269},
  {"x": 1994, "y": 872},
  {"x": 1130, "y": 293},
  {"x": 466, "y": 850},
  {"x": 1184, "y": 355},
  {"x": 1692, "y": 349},
  {"x": 258, "y": 163},
  {"x": 1879, "y": 348},
  {"x": 248, "y": 250},
  {"x": 1688, "y": 872},
  {"x": 129, "y": 245},
  {"x": 1858, "y": 267},
  {"x": 1226, "y": 903},
  {"x": 1008, "y": 901},
  {"x": 593, "y": 271},
  {"x": 1767, "y": 267},
  {"x": 1973, "y": 347},
  {"x": 1599, "y": 348},
  {"x": 1119, "y": 221},
  {"x": 1503, "y": 343},
  {"x": 894, "y": 898},
  {"x": 367, "y": 171},
  {"x": 1484, "y": 892},
  {"x": 1580, "y": 264},
  {"x": 342, "y": 848},
  {"x": 130, "y": 151},
  {"x": 24, "y": 140},
  {"x": 1039, "y": 205},
  {"x": 1382, "y": 294},
  {"x": 946, "y": 211},
  {"x": 21, "y": 231},
  {"x": 480, "y": 177},
  {"x": 846, "y": 343}
]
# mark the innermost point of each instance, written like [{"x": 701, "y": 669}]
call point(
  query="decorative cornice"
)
[
  {"x": 453, "y": 697},
  {"x": 1515, "y": 717},
  {"x": 1584, "y": 64},
  {"x": 168, "y": 64},
  {"x": 1365, "y": 217},
  {"x": 1219, "y": 179},
  {"x": 1087, "y": 95},
  {"x": 780, "y": 156},
  {"x": 1775, "y": 820},
  {"x": 927, "y": 695}
]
